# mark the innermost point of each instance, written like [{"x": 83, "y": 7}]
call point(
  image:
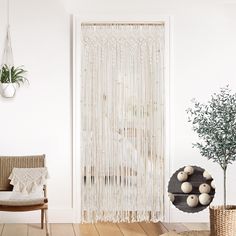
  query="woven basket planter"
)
[{"x": 223, "y": 220}]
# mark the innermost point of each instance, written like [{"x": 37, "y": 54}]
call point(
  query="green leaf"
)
[{"x": 17, "y": 74}]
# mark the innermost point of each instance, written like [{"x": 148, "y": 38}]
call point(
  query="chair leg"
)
[
  {"x": 46, "y": 222},
  {"x": 42, "y": 218}
]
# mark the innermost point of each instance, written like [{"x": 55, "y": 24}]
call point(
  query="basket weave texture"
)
[
  {"x": 223, "y": 220},
  {"x": 8, "y": 163}
]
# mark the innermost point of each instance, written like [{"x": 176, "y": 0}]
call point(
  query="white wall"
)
[
  {"x": 203, "y": 54},
  {"x": 203, "y": 57},
  {"x": 38, "y": 119}
]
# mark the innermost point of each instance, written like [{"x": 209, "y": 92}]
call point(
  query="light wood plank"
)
[
  {"x": 131, "y": 229},
  {"x": 35, "y": 230},
  {"x": 108, "y": 229},
  {"x": 101, "y": 229},
  {"x": 85, "y": 230},
  {"x": 62, "y": 230},
  {"x": 197, "y": 226},
  {"x": 178, "y": 227},
  {"x": 14, "y": 229},
  {"x": 1, "y": 228},
  {"x": 153, "y": 229}
]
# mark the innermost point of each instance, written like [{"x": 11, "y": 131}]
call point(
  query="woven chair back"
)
[{"x": 7, "y": 163}]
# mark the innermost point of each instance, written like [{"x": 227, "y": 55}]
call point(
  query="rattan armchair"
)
[{"x": 7, "y": 163}]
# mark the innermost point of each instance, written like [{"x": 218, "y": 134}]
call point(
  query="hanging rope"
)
[
  {"x": 8, "y": 13},
  {"x": 7, "y": 58}
]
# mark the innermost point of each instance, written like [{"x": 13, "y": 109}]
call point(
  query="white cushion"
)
[
  {"x": 11, "y": 198},
  {"x": 19, "y": 195},
  {"x": 27, "y": 202},
  {"x": 5, "y": 195}
]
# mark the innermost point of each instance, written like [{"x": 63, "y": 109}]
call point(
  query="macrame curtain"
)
[{"x": 122, "y": 122}]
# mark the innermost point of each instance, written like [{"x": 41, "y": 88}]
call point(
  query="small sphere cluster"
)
[{"x": 186, "y": 187}]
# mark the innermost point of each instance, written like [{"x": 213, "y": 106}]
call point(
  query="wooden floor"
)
[{"x": 100, "y": 229}]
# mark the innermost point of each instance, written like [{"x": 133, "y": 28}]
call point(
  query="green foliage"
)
[
  {"x": 215, "y": 124},
  {"x": 17, "y": 74}
]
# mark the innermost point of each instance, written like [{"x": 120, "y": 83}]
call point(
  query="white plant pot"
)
[{"x": 8, "y": 90}]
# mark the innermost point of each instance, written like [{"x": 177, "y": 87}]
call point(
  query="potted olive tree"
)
[
  {"x": 215, "y": 124},
  {"x": 10, "y": 77}
]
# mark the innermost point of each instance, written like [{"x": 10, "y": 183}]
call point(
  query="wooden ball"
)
[
  {"x": 186, "y": 187},
  {"x": 204, "y": 188},
  {"x": 189, "y": 170},
  {"x": 182, "y": 176},
  {"x": 204, "y": 199},
  {"x": 206, "y": 175},
  {"x": 192, "y": 200},
  {"x": 213, "y": 184},
  {"x": 171, "y": 197}
]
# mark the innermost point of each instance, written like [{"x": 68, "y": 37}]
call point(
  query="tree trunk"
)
[{"x": 224, "y": 188}]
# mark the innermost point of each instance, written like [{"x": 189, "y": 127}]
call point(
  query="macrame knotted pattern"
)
[
  {"x": 27, "y": 180},
  {"x": 122, "y": 102}
]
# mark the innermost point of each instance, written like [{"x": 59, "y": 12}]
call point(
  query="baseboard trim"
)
[{"x": 55, "y": 216}]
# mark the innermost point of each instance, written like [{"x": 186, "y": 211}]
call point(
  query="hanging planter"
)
[{"x": 11, "y": 77}]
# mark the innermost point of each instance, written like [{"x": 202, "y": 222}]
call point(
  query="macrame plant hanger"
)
[{"x": 8, "y": 89}]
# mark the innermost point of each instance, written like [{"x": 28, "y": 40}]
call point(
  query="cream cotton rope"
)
[{"x": 122, "y": 97}]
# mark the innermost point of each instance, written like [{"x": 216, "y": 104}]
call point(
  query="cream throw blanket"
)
[{"x": 28, "y": 180}]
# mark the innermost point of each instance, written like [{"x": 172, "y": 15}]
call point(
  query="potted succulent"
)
[
  {"x": 10, "y": 77},
  {"x": 215, "y": 124}
]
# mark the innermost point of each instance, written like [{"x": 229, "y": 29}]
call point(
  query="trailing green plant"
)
[
  {"x": 17, "y": 74},
  {"x": 215, "y": 124}
]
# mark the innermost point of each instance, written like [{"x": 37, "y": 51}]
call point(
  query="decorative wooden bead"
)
[
  {"x": 182, "y": 176},
  {"x": 171, "y": 197},
  {"x": 213, "y": 184},
  {"x": 204, "y": 199},
  {"x": 206, "y": 175},
  {"x": 189, "y": 170},
  {"x": 186, "y": 187},
  {"x": 204, "y": 188},
  {"x": 192, "y": 200}
]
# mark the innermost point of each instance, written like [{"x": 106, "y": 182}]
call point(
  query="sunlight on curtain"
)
[{"x": 122, "y": 122}]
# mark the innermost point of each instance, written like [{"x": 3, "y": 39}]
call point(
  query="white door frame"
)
[{"x": 76, "y": 52}]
